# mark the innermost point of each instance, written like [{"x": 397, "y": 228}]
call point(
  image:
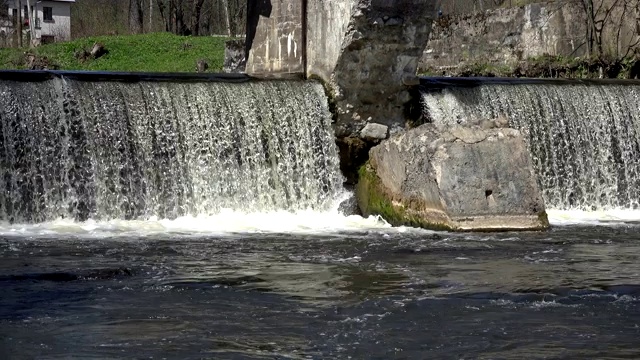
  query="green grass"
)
[{"x": 157, "y": 52}]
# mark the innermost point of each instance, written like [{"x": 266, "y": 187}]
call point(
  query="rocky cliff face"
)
[
  {"x": 476, "y": 178},
  {"x": 505, "y": 36}
]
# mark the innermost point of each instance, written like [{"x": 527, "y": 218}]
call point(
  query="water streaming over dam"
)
[
  {"x": 584, "y": 136},
  {"x": 104, "y": 150}
]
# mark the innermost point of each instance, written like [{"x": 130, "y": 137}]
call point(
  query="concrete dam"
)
[
  {"x": 583, "y": 135},
  {"x": 100, "y": 146},
  {"x": 76, "y": 148},
  {"x": 282, "y": 214}
]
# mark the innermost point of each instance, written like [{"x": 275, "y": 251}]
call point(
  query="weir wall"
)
[{"x": 366, "y": 52}]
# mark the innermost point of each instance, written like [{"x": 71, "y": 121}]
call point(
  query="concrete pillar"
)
[
  {"x": 366, "y": 52},
  {"x": 275, "y": 38}
]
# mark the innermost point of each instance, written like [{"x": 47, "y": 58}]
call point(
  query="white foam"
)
[
  {"x": 597, "y": 217},
  {"x": 226, "y": 222},
  {"x": 301, "y": 222}
]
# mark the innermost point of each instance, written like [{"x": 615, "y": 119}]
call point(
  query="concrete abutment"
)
[{"x": 366, "y": 53}]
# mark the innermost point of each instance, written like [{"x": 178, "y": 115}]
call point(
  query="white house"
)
[{"x": 49, "y": 20}]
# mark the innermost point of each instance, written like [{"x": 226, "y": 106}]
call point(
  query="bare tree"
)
[
  {"x": 172, "y": 13},
  {"x": 627, "y": 38},
  {"x": 99, "y": 17},
  {"x": 195, "y": 16},
  {"x": 611, "y": 27},
  {"x": 136, "y": 16},
  {"x": 19, "y": 24},
  {"x": 182, "y": 17},
  {"x": 237, "y": 13}
]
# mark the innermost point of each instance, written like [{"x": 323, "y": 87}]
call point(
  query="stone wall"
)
[
  {"x": 505, "y": 36},
  {"x": 378, "y": 61},
  {"x": 366, "y": 52},
  {"x": 275, "y": 38},
  {"x": 373, "y": 79}
]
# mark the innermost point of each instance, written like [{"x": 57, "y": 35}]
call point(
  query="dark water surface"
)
[{"x": 573, "y": 292}]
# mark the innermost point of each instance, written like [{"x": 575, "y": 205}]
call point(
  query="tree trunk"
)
[
  {"x": 195, "y": 17},
  {"x": 225, "y": 11},
  {"x": 238, "y": 17},
  {"x": 150, "y": 29},
  {"x": 31, "y": 24},
  {"x": 173, "y": 19},
  {"x": 136, "y": 16},
  {"x": 587, "y": 5},
  {"x": 181, "y": 27},
  {"x": 19, "y": 27},
  {"x": 167, "y": 9}
]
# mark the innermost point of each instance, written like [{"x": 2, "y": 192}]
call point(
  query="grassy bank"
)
[{"x": 157, "y": 52}]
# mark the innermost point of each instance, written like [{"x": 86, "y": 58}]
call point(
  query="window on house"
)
[
  {"x": 26, "y": 12},
  {"x": 47, "y": 39},
  {"x": 47, "y": 13}
]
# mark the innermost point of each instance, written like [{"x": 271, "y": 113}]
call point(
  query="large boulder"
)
[{"x": 457, "y": 178}]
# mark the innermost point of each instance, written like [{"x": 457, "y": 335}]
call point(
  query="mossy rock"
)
[
  {"x": 457, "y": 178},
  {"x": 373, "y": 199}
]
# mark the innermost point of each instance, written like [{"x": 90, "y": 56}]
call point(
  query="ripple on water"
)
[{"x": 326, "y": 295}]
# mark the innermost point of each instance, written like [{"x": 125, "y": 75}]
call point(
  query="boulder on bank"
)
[
  {"x": 454, "y": 178},
  {"x": 234, "y": 56}
]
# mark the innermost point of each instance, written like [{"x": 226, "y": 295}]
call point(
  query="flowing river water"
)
[
  {"x": 189, "y": 221},
  {"x": 366, "y": 291}
]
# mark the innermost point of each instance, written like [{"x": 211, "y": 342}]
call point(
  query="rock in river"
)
[{"x": 461, "y": 178}]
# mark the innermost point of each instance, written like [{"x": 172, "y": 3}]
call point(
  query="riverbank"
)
[{"x": 155, "y": 52}]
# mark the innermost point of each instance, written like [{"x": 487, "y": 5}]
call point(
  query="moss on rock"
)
[
  {"x": 374, "y": 199},
  {"x": 472, "y": 179},
  {"x": 544, "y": 220}
]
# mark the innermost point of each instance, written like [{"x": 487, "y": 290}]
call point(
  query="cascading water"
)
[
  {"x": 584, "y": 138},
  {"x": 115, "y": 150}
]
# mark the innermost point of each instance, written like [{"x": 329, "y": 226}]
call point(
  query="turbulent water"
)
[
  {"x": 114, "y": 150},
  {"x": 190, "y": 221},
  {"x": 584, "y": 138},
  {"x": 570, "y": 293}
]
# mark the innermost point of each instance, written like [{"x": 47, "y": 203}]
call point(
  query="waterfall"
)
[
  {"x": 134, "y": 150},
  {"x": 584, "y": 137}
]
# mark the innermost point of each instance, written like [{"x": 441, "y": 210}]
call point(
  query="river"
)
[{"x": 359, "y": 290}]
